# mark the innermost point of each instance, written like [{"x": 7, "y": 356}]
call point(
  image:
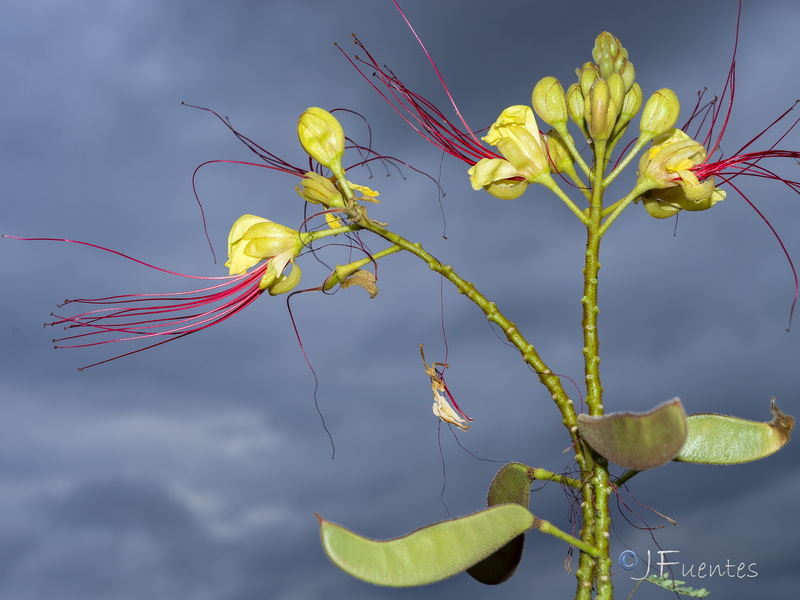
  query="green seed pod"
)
[
  {"x": 428, "y": 554},
  {"x": 722, "y": 440},
  {"x": 512, "y": 484},
  {"x": 637, "y": 441},
  {"x": 549, "y": 101}
]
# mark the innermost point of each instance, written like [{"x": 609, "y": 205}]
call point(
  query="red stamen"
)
[
  {"x": 146, "y": 316},
  {"x": 421, "y": 114},
  {"x": 741, "y": 162}
]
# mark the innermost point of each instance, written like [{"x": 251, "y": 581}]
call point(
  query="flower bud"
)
[
  {"x": 660, "y": 114},
  {"x": 587, "y": 76},
  {"x": 609, "y": 54},
  {"x": 318, "y": 189},
  {"x": 558, "y": 152},
  {"x": 575, "y": 105},
  {"x": 600, "y": 111},
  {"x": 321, "y": 136},
  {"x": 549, "y": 101},
  {"x": 616, "y": 88},
  {"x": 631, "y": 104},
  {"x": 628, "y": 74}
]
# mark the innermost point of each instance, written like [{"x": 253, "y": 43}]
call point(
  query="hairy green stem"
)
[
  {"x": 550, "y": 184},
  {"x": 640, "y": 143},
  {"x": 550, "y": 529},
  {"x": 545, "y": 475},
  {"x": 594, "y": 390}
]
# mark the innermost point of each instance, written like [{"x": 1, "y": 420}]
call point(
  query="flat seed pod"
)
[
  {"x": 723, "y": 440},
  {"x": 637, "y": 441},
  {"x": 511, "y": 484},
  {"x": 428, "y": 554}
]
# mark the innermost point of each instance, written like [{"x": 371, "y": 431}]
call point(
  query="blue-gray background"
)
[{"x": 194, "y": 470}]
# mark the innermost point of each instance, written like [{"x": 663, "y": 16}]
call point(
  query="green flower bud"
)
[
  {"x": 587, "y": 75},
  {"x": 600, "y": 111},
  {"x": 609, "y": 54},
  {"x": 631, "y": 104},
  {"x": 628, "y": 74},
  {"x": 575, "y": 105},
  {"x": 660, "y": 114},
  {"x": 549, "y": 101},
  {"x": 322, "y": 137},
  {"x": 559, "y": 154},
  {"x": 318, "y": 189},
  {"x": 617, "y": 88}
]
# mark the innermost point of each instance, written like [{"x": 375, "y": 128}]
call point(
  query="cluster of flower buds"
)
[
  {"x": 322, "y": 137},
  {"x": 603, "y": 100}
]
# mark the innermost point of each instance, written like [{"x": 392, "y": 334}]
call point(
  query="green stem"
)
[
  {"x": 624, "y": 478},
  {"x": 545, "y": 475},
  {"x": 640, "y": 143},
  {"x": 550, "y": 529},
  {"x": 594, "y": 389},
  {"x": 307, "y": 237},
  {"x": 615, "y": 209},
  {"x": 562, "y": 130},
  {"x": 548, "y": 182}
]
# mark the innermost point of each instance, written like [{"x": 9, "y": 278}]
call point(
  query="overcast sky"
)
[{"x": 194, "y": 470}]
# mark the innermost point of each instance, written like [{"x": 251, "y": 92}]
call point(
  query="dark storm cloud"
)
[{"x": 193, "y": 470}]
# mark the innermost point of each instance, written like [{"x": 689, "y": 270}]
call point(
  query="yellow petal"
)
[
  {"x": 364, "y": 190},
  {"x": 238, "y": 261},
  {"x": 332, "y": 220},
  {"x": 490, "y": 170},
  {"x": 519, "y": 115},
  {"x": 241, "y": 225}
]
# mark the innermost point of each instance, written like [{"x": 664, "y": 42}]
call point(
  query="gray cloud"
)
[{"x": 193, "y": 470}]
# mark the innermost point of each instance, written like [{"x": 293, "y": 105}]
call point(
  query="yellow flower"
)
[
  {"x": 668, "y": 168},
  {"x": 253, "y": 239},
  {"x": 517, "y": 137}
]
